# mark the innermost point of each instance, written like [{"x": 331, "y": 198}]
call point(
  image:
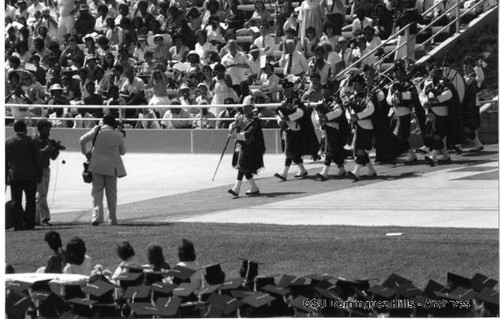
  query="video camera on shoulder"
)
[{"x": 58, "y": 145}]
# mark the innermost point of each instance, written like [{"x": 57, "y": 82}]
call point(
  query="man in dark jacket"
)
[
  {"x": 23, "y": 172},
  {"x": 49, "y": 150}
]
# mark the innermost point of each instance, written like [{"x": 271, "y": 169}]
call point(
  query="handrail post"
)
[
  {"x": 457, "y": 21},
  {"x": 407, "y": 44}
]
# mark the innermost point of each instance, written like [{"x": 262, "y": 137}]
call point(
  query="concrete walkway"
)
[{"x": 463, "y": 193}]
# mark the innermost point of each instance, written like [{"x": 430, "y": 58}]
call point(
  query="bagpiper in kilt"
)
[
  {"x": 473, "y": 76},
  {"x": 297, "y": 132},
  {"x": 334, "y": 125},
  {"x": 359, "y": 110},
  {"x": 437, "y": 97},
  {"x": 402, "y": 96},
  {"x": 249, "y": 147}
]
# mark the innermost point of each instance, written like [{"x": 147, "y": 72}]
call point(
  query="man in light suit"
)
[{"x": 106, "y": 166}]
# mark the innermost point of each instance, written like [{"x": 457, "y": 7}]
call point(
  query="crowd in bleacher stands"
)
[{"x": 153, "y": 53}]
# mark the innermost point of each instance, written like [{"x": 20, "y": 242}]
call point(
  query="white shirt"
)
[
  {"x": 203, "y": 49},
  {"x": 31, "y": 11},
  {"x": 299, "y": 63},
  {"x": 84, "y": 269},
  {"x": 268, "y": 42},
  {"x": 236, "y": 73},
  {"x": 254, "y": 66},
  {"x": 135, "y": 87},
  {"x": 402, "y": 108},
  {"x": 357, "y": 25},
  {"x": 364, "y": 116}
]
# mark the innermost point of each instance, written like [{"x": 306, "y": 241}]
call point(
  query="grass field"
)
[{"x": 419, "y": 254}]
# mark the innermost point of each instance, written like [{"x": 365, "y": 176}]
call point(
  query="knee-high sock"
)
[
  {"x": 237, "y": 186},
  {"x": 253, "y": 185}
]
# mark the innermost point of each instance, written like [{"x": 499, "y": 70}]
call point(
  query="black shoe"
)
[
  {"x": 457, "y": 149},
  {"x": 421, "y": 151},
  {"x": 429, "y": 161},
  {"x": 277, "y": 175},
  {"x": 230, "y": 191},
  {"x": 298, "y": 175},
  {"x": 409, "y": 161},
  {"x": 249, "y": 193},
  {"x": 95, "y": 224},
  {"x": 475, "y": 150},
  {"x": 321, "y": 177},
  {"x": 444, "y": 161},
  {"x": 351, "y": 174},
  {"x": 45, "y": 223}
]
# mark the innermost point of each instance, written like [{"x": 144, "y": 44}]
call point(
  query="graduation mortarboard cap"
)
[
  {"x": 129, "y": 277},
  {"x": 275, "y": 290},
  {"x": 287, "y": 281},
  {"x": 50, "y": 305},
  {"x": 181, "y": 272},
  {"x": 394, "y": 281},
  {"x": 16, "y": 304},
  {"x": 214, "y": 274},
  {"x": 98, "y": 288},
  {"x": 262, "y": 281},
  {"x": 184, "y": 289},
  {"x": 258, "y": 299},
  {"x": 223, "y": 305},
  {"x": 231, "y": 284},
  {"x": 431, "y": 287},
  {"x": 459, "y": 294},
  {"x": 480, "y": 281},
  {"x": 241, "y": 294},
  {"x": 318, "y": 278},
  {"x": 168, "y": 307},
  {"x": 408, "y": 291},
  {"x": 383, "y": 292},
  {"x": 70, "y": 315},
  {"x": 489, "y": 296},
  {"x": 209, "y": 289},
  {"x": 300, "y": 303},
  {"x": 161, "y": 287},
  {"x": 82, "y": 301},
  {"x": 137, "y": 292},
  {"x": 345, "y": 287},
  {"x": 142, "y": 309},
  {"x": 19, "y": 286},
  {"x": 455, "y": 280},
  {"x": 326, "y": 290}
]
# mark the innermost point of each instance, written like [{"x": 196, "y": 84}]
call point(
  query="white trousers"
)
[{"x": 104, "y": 184}]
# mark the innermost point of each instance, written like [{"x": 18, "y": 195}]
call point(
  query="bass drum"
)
[{"x": 458, "y": 81}]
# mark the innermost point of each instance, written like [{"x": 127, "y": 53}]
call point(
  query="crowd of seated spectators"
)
[{"x": 198, "y": 53}]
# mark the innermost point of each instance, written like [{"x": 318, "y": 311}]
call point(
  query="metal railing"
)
[
  {"x": 194, "y": 119},
  {"x": 405, "y": 29}
]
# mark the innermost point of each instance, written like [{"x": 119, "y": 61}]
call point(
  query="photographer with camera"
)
[
  {"x": 48, "y": 150},
  {"x": 106, "y": 166}
]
